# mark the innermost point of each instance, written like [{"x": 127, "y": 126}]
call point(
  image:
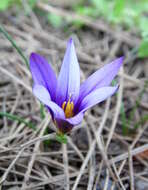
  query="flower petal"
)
[
  {"x": 96, "y": 97},
  {"x": 102, "y": 77},
  {"x": 76, "y": 119},
  {"x": 43, "y": 95},
  {"x": 69, "y": 77},
  {"x": 90, "y": 100},
  {"x": 43, "y": 73}
]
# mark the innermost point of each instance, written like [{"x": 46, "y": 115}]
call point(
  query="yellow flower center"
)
[{"x": 68, "y": 108}]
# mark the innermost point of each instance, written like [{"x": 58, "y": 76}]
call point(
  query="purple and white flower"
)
[{"x": 65, "y": 98}]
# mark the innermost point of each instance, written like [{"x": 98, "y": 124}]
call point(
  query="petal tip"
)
[
  {"x": 121, "y": 59},
  {"x": 118, "y": 62},
  {"x": 70, "y": 40},
  {"x": 32, "y": 55}
]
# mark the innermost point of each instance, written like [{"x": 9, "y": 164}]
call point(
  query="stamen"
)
[
  {"x": 68, "y": 108},
  {"x": 63, "y": 105}
]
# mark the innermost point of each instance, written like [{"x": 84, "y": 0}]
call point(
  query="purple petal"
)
[
  {"x": 102, "y": 77},
  {"x": 43, "y": 95},
  {"x": 65, "y": 125},
  {"x": 69, "y": 77},
  {"x": 43, "y": 73},
  {"x": 96, "y": 97},
  {"x": 76, "y": 119}
]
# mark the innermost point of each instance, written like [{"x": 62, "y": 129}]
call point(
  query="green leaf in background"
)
[
  {"x": 143, "y": 24},
  {"x": 55, "y": 20},
  {"x": 4, "y": 4},
  {"x": 83, "y": 10},
  {"x": 102, "y": 6},
  {"x": 118, "y": 7},
  {"x": 139, "y": 6},
  {"x": 143, "y": 49},
  {"x": 32, "y": 3},
  {"x": 78, "y": 24}
]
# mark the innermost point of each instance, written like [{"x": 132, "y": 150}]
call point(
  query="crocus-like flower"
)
[{"x": 65, "y": 99}]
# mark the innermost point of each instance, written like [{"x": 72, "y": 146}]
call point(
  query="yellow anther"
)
[
  {"x": 68, "y": 108},
  {"x": 63, "y": 105}
]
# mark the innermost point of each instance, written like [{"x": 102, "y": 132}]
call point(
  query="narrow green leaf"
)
[
  {"x": 17, "y": 118},
  {"x": 9, "y": 38}
]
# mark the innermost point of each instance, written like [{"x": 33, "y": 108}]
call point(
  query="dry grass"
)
[{"x": 97, "y": 152}]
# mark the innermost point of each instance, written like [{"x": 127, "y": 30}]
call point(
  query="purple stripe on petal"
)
[
  {"x": 43, "y": 73},
  {"x": 43, "y": 95},
  {"x": 102, "y": 77},
  {"x": 69, "y": 76},
  {"x": 96, "y": 97}
]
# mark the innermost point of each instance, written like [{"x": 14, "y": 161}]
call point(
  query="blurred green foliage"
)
[
  {"x": 55, "y": 20},
  {"x": 128, "y": 13},
  {"x": 5, "y": 4},
  {"x": 143, "y": 49},
  {"x": 131, "y": 14},
  {"x": 32, "y": 3}
]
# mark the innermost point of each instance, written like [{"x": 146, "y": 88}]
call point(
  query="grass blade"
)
[{"x": 17, "y": 118}]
